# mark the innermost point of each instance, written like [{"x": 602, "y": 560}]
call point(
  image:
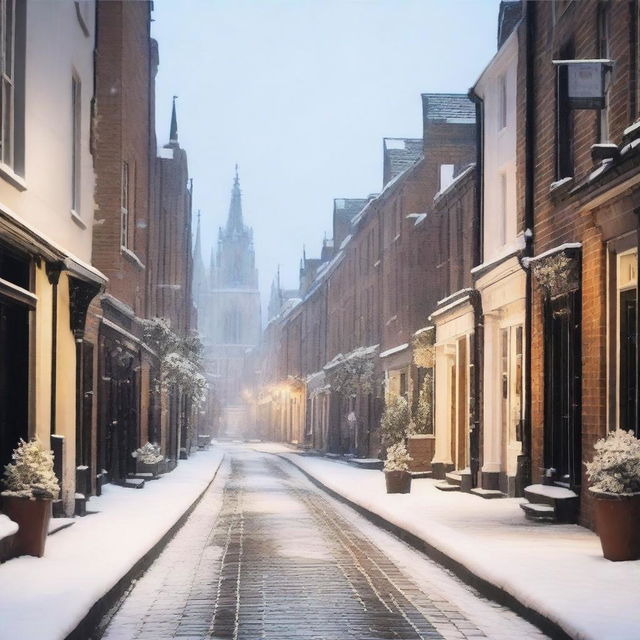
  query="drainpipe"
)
[
  {"x": 523, "y": 473},
  {"x": 476, "y": 435},
  {"x": 53, "y": 275}
]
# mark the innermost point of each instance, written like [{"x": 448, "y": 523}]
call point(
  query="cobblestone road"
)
[{"x": 267, "y": 555}]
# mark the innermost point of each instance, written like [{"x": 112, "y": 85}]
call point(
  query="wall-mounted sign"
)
[{"x": 586, "y": 82}]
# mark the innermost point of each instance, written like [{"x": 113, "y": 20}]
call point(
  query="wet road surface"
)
[{"x": 267, "y": 555}]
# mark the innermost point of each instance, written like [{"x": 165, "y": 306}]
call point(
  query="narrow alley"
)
[{"x": 268, "y": 555}]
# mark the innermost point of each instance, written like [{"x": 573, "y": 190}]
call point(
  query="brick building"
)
[
  {"x": 142, "y": 239},
  {"x": 580, "y": 174}
]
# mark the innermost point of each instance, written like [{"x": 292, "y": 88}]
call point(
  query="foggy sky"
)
[{"x": 300, "y": 94}]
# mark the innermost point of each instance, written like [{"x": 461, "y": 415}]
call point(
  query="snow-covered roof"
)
[
  {"x": 398, "y": 349},
  {"x": 448, "y": 107}
]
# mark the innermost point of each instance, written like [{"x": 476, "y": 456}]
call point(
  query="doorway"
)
[{"x": 562, "y": 446}]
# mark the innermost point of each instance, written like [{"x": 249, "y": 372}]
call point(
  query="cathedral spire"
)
[
  {"x": 234, "y": 221},
  {"x": 173, "y": 131},
  {"x": 199, "y": 274}
]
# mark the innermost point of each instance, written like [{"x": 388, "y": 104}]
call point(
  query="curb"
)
[
  {"x": 89, "y": 627},
  {"x": 483, "y": 586}
]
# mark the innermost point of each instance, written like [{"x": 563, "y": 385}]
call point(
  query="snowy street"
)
[{"x": 266, "y": 554}]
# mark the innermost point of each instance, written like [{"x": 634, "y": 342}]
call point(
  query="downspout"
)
[
  {"x": 53, "y": 274},
  {"x": 476, "y": 435},
  {"x": 523, "y": 473}
]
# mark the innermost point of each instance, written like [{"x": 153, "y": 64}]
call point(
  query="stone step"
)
[
  {"x": 487, "y": 494},
  {"x": 563, "y": 501},
  {"x": 420, "y": 474},
  {"x": 366, "y": 463},
  {"x": 454, "y": 477},
  {"x": 446, "y": 486},
  {"x": 538, "y": 512},
  {"x": 134, "y": 483}
]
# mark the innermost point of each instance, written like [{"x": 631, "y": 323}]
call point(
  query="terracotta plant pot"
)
[
  {"x": 618, "y": 525},
  {"x": 398, "y": 481},
  {"x": 32, "y": 516}
]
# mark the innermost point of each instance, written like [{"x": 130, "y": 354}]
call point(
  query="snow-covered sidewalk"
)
[
  {"x": 46, "y": 598},
  {"x": 556, "y": 570}
]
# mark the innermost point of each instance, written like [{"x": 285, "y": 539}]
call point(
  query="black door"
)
[
  {"x": 14, "y": 377},
  {"x": 628, "y": 378},
  {"x": 563, "y": 389}
]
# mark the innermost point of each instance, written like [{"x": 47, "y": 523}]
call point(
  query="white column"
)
[
  {"x": 492, "y": 422},
  {"x": 443, "y": 406}
]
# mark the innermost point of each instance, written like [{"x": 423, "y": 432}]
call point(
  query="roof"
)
[
  {"x": 508, "y": 17},
  {"x": 400, "y": 154},
  {"x": 448, "y": 107},
  {"x": 349, "y": 207}
]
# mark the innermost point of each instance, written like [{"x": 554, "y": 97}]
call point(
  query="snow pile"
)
[
  {"x": 556, "y": 570},
  {"x": 82, "y": 563},
  {"x": 7, "y": 526}
]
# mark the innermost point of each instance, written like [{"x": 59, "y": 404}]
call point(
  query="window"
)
[
  {"x": 7, "y": 54},
  {"x": 604, "y": 52},
  {"x": 124, "y": 206},
  {"x": 503, "y": 208},
  {"x": 75, "y": 143},
  {"x": 564, "y": 119},
  {"x": 446, "y": 175},
  {"x": 502, "y": 104}
]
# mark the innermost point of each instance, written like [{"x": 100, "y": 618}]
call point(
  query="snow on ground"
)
[
  {"x": 7, "y": 527},
  {"x": 556, "y": 570},
  {"x": 45, "y": 598}
]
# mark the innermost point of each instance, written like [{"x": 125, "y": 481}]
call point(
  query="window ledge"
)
[
  {"x": 13, "y": 178},
  {"x": 75, "y": 216},
  {"x": 132, "y": 257},
  {"x": 561, "y": 188}
]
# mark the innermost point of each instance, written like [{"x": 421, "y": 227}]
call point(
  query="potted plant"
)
[
  {"x": 148, "y": 458},
  {"x": 30, "y": 486},
  {"x": 396, "y": 469},
  {"x": 614, "y": 474}
]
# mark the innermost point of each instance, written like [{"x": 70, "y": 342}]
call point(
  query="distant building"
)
[{"x": 228, "y": 304}]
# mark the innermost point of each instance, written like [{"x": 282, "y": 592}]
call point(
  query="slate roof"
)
[
  {"x": 508, "y": 16},
  {"x": 400, "y": 154},
  {"x": 349, "y": 207},
  {"x": 448, "y": 107}
]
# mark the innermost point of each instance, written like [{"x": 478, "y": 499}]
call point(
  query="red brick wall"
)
[
  {"x": 123, "y": 133},
  {"x": 558, "y": 218}
]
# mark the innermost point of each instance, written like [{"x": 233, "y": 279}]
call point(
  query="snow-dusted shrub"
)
[
  {"x": 398, "y": 458},
  {"x": 148, "y": 454},
  {"x": 353, "y": 373},
  {"x": 423, "y": 417},
  {"x": 615, "y": 467},
  {"x": 31, "y": 475},
  {"x": 395, "y": 421},
  {"x": 180, "y": 359},
  {"x": 423, "y": 348}
]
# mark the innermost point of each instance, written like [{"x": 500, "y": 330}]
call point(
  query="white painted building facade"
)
[{"x": 500, "y": 280}]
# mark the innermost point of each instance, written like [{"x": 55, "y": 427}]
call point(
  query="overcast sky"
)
[{"x": 300, "y": 94}]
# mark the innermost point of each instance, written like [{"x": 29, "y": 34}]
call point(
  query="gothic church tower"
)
[{"x": 229, "y": 303}]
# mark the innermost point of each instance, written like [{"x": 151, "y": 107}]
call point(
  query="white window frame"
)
[
  {"x": 503, "y": 102},
  {"x": 7, "y": 79},
  {"x": 76, "y": 137}
]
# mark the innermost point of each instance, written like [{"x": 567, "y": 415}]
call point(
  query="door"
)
[
  {"x": 563, "y": 389},
  {"x": 14, "y": 377},
  {"x": 628, "y": 378}
]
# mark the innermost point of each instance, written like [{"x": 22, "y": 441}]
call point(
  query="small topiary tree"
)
[
  {"x": 395, "y": 421},
  {"x": 31, "y": 475}
]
